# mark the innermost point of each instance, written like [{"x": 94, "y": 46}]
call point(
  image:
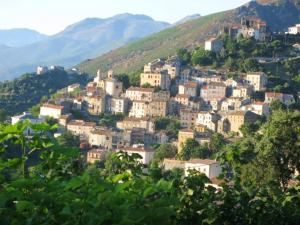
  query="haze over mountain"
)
[
  {"x": 187, "y": 18},
  {"x": 20, "y": 36},
  {"x": 279, "y": 14},
  {"x": 86, "y": 39}
]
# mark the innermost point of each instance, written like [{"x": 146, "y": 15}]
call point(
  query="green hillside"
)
[
  {"x": 130, "y": 58},
  {"x": 20, "y": 94},
  {"x": 133, "y": 56}
]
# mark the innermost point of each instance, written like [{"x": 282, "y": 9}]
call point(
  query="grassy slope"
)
[{"x": 132, "y": 57}]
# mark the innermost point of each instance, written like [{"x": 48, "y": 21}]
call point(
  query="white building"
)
[
  {"x": 207, "y": 119},
  {"x": 213, "y": 91},
  {"x": 258, "y": 80},
  {"x": 131, "y": 122},
  {"x": 294, "y": 30},
  {"x": 146, "y": 153},
  {"x": 213, "y": 44},
  {"x": 73, "y": 87},
  {"x": 59, "y": 68},
  {"x": 101, "y": 138},
  {"x": 113, "y": 87},
  {"x": 26, "y": 116},
  {"x": 138, "y": 93},
  {"x": 260, "y": 108},
  {"x": 51, "y": 110},
  {"x": 286, "y": 99},
  {"x": 118, "y": 105},
  {"x": 188, "y": 88},
  {"x": 210, "y": 168},
  {"x": 41, "y": 70}
]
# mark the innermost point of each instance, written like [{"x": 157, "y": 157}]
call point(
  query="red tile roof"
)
[{"x": 52, "y": 106}]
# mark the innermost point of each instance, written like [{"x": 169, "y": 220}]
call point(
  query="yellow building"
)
[
  {"x": 188, "y": 118},
  {"x": 141, "y": 109},
  {"x": 157, "y": 79},
  {"x": 184, "y": 135}
]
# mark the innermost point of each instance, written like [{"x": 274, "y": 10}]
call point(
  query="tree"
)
[
  {"x": 3, "y": 115},
  {"x": 134, "y": 78},
  {"x": 230, "y": 63},
  {"x": 184, "y": 56},
  {"x": 146, "y": 85},
  {"x": 217, "y": 143},
  {"x": 59, "y": 189},
  {"x": 110, "y": 120},
  {"x": 68, "y": 140},
  {"x": 277, "y": 105},
  {"x": 191, "y": 149},
  {"x": 124, "y": 78},
  {"x": 202, "y": 57},
  {"x": 165, "y": 151},
  {"x": 51, "y": 121},
  {"x": 250, "y": 65},
  {"x": 279, "y": 146},
  {"x": 249, "y": 129}
]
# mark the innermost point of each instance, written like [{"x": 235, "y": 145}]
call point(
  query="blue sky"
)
[{"x": 52, "y": 16}]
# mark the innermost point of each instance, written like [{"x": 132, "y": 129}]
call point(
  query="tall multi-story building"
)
[
  {"x": 294, "y": 30},
  {"x": 213, "y": 91},
  {"x": 188, "y": 88},
  {"x": 258, "y": 80},
  {"x": 81, "y": 128},
  {"x": 183, "y": 136},
  {"x": 188, "y": 118},
  {"x": 132, "y": 122}
]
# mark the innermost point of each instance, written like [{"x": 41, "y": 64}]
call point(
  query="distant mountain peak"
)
[
  {"x": 85, "y": 39},
  {"x": 17, "y": 37},
  {"x": 187, "y": 18}
]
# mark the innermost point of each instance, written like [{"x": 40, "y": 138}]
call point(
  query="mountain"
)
[
  {"x": 186, "y": 19},
  {"x": 20, "y": 37},
  {"x": 86, "y": 39},
  {"x": 278, "y": 14}
]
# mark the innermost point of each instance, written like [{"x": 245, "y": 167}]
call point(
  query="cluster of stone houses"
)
[
  {"x": 249, "y": 27},
  {"x": 204, "y": 101}
]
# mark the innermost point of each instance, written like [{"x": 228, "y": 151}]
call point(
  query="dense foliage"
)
[
  {"x": 170, "y": 124},
  {"x": 242, "y": 55},
  {"x": 59, "y": 189},
  {"x": 20, "y": 94},
  {"x": 110, "y": 120}
]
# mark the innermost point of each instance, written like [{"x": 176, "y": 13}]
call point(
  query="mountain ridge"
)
[
  {"x": 18, "y": 37},
  {"x": 85, "y": 39},
  {"x": 133, "y": 56}
]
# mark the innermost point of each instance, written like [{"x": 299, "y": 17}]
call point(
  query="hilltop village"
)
[{"x": 173, "y": 103}]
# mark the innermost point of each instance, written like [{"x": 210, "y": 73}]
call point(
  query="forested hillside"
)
[{"x": 20, "y": 94}]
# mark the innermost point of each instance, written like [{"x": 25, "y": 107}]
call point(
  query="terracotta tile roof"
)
[
  {"x": 258, "y": 103},
  {"x": 220, "y": 84},
  {"x": 273, "y": 94},
  {"x": 81, "y": 123},
  {"x": 101, "y": 132},
  {"x": 182, "y": 96},
  {"x": 52, "y": 106},
  {"x": 256, "y": 73},
  {"x": 186, "y": 131},
  {"x": 136, "y": 149},
  {"x": 203, "y": 161},
  {"x": 190, "y": 84},
  {"x": 136, "y": 119},
  {"x": 140, "y": 89},
  {"x": 212, "y": 39}
]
